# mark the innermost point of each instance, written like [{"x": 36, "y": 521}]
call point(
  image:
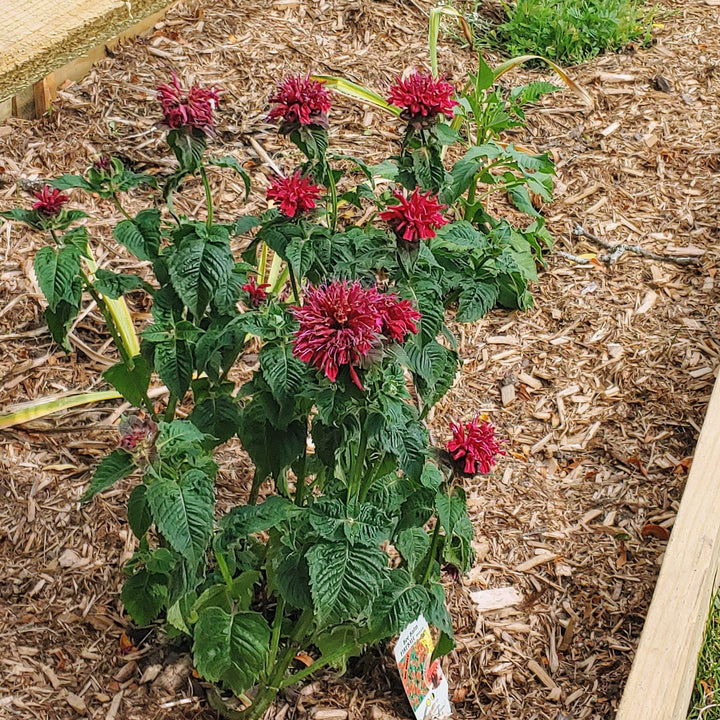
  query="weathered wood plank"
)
[
  {"x": 662, "y": 676},
  {"x": 38, "y": 37}
]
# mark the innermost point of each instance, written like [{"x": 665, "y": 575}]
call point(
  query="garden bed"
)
[{"x": 612, "y": 370}]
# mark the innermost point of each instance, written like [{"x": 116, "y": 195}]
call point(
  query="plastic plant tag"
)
[{"x": 425, "y": 684}]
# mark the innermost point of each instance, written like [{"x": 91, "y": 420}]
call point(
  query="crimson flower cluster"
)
[
  {"x": 49, "y": 201},
  {"x": 256, "y": 293},
  {"x": 474, "y": 446},
  {"x": 422, "y": 98},
  {"x": 103, "y": 163},
  {"x": 193, "y": 108},
  {"x": 415, "y": 218},
  {"x": 295, "y": 194},
  {"x": 300, "y": 101},
  {"x": 341, "y": 323}
]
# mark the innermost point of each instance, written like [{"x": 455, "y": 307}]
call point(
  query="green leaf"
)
[
  {"x": 144, "y": 595},
  {"x": 218, "y": 416},
  {"x": 55, "y": 272},
  {"x": 183, "y": 512},
  {"x": 114, "y": 285},
  {"x": 200, "y": 266},
  {"x": 245, "y": 520},
  {"x": 431, "y": 477},
  {"x": 77, "y": 238},
  {"x": 413, "y": 544},
  {"x": 283, "y": 372},
  {"x": 142, "y": 235},
  {"x": 138, "y": 511},
  {"x": 68, "y": 182},
  {"x": 228, "y": 161},
  {"x": 400, "y": 602},
  {"x": 231, "y": 649},
  {"x": 445, "y": 645},
  {"x": 451, "y": 508},
  {"x": 436, "y": 612},
  {"x": 188, "y": 144},
  {"x": 288, "y": 574},
  {"x": 245, "y": 223},
  {"x": 344, "y": 579},
  {"x": 113, "y": 467},
  {"x": 131, "y": 384},
  {"x": 60, "y": 321},
  {"x": 332, "y": 641},
  {"x": 477, "y": 299},
  {"x": 173, "y": 360}
]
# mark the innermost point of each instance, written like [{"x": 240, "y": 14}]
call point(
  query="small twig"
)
[
  {"x": 581, "y": 261},
  {"x": 616, "y": 251}
]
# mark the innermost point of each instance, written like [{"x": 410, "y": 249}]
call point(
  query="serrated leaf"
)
[
  {"x": 431, "y": 477},
  {"x": 55, "y": 272},
  {"x": 344, "y": 579},
  {"x": 450, "y": 508},
  {"x": 188, "y": 144},
  {"x": 140, "y": 236},
  {"x": 288, "y": 574},
  {"x": 78, "y": 239},
  {"x": 67, "y": 182},
  {"x": 245, "y": 223},
  {"x": 60, "y": 321},
  {"x": 413, "y": 544},
  {"x": 144, "y": 595},
  {"x": 131, "y": 384},
  {"x": 113, "y": 467},
  {"x": 245, "y": 520},
  {"x": 228, "y": 161},
  {"x": 477, "y": 299},
  {"x": 199, "y": 267},
  {"x": 399, "y": 603},
  {"x": 282, "y": 371},
  {"x": 218, "y": 416},
  {"x": 138, "y": 511},
  {"x": 183, "y": 512},
  {"x": 231, "y": 649},
  {"x": 174, "y": 365},
  {"x": 114, "y": 285}
]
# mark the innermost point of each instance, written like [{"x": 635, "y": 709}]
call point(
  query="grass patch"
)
[
  {"x": 568, "y": 31},
  {"x": 705, "y": 703}
]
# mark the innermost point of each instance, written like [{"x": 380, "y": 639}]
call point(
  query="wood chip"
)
[
  {"x": 541, "y": 674},
  {"x": 533, "y": 562},
  {"x": 496, "y": 598},
  {"x": 507, "y": 394},
  {"x": 76, "y": 703}
]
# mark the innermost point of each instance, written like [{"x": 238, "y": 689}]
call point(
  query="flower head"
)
[
  {"x": 296, "y": 194},
  {"x": 256, "y": 293},
  {"x": 193, "y": 108},
  {"x": 102, "y": 163},
  {"x": 49, "y": 200},
  {"x": 342, "y": 323},
  {"x": 422, "y": 98},
  {"x": 474, "y": 445},
  {"x": 414, "y": 218},
  {"x": 138, "y": 433},
  {"x": 300, "y": 101}
]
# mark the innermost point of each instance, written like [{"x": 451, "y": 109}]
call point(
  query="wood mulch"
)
[{"x": 605, "y": 383}]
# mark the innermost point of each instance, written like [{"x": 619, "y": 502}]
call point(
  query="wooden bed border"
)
[
  {"x": 663, "y": 673},
  {"x": 36, "y": 98}
]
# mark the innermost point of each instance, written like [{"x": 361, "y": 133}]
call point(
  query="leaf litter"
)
[{"x": 610, "y": 373}]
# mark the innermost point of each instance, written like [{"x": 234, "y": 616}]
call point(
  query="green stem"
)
[
  {"x": 119, "y": 206},
  {"x": 224, "y": 569},
  {"x": 431, "y": 553},
  {"x": 275, "y": 637},
  {"x": 359, "y": 464},
  {"x": 255, "y": 489},
  {"x": 332, "y": 214},
  {"x": 170, "y": 410},
  {"x": 300, "y": 486},
  {"x": 293, "y": 283},
  {"x": 208, "y": 197}
]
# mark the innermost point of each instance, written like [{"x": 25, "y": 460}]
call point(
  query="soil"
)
[{"x": 606, "y": 380}]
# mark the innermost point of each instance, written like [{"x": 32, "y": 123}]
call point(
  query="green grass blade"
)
[
  {"x": 357, "y": 92},
  {"x": 508, "y": 65},
  {"x": 43, "y": 407},
  {"x": 434, "y": 31}
]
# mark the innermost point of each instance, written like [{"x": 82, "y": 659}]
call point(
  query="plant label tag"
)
[{"x": 425, "y": 684}]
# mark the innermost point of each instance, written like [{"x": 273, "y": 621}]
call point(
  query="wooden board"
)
[
  {"x": 663, "y": 673},
  {"x": 38, "y": 37}
]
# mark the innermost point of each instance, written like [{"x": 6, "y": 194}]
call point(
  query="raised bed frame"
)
[
  {"x": 43, "y": 44},
  {"x": 663, "y": 673}
]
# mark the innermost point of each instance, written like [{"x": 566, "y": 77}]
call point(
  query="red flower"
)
[
  {"x": 300, "y": 101},
  {"x": 398, "y": 316},
  {"x": 193, "y": 108},
  {"x": 414, "y": 218},
  {"x": 476, "y": 445},
  {"x": 422, "y": 97},
  {"x": 103, "y": 163},
  {"x": 256, "y": 293},
  {"x": 138, "y": 433},
  {"x": 296, "y": 194},
  {"x": 49, "y": 200},
  {"x": 342, "y": 323}
]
